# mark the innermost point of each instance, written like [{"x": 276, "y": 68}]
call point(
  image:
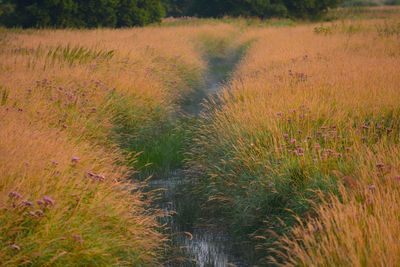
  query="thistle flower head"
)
[
  {"x": 39, "y": 213},
  {"x": 91, "y": 174},
  {"x": 48, "y": 201},
  {"x": 16, "y": 247},
  {"x": 380, "y": 165},
  {"x": 27, "y": 203},
  {"x": 14, "y": 194},
  {"x": 371, "y": 188}
]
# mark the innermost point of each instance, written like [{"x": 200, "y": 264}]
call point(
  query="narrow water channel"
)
[{"x": 195, "y": 243}]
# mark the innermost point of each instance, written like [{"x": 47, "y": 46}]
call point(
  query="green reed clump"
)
[{"x": 77, "y": 54}]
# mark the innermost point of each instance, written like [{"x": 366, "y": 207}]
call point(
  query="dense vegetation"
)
[
  {"x": 80, "y": 14},
  {"x": 67, "y": 99},
  {"x": 127, "y": 13},
  {"x": 299, "y": 152},
  {"x": 366, "y": 3},
  {"x": 252, "y": 8},
  {"x": 307, "y": 114}
]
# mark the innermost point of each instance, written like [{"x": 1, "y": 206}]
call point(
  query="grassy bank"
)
[
  {"x": 82, "y": 112},
  {"x": 305, "y": 112},
  {"x": 69, "y": 100}
]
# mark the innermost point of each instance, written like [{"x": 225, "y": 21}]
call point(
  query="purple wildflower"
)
[
  {"x": 15, "y": 194},
  {"x": 91, "y": 174},
  {"x": 39, "y": 213},
  {"x": 27, "y": 203},
  {"x": 371, "y": 188},
  {"x": 380, "y": 165},
  {"x": 16, "y": 247},
  {"x": 48, "y": 200},
  {"x": 77, "y": 237}
]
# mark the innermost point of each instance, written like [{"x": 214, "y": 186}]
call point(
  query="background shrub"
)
[
  {"x": 80, "y": 14},
  {"x": 249, "y": 8}
]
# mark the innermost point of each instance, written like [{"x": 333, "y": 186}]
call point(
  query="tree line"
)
[
  {"x": 127, "y": 13},
  {"x": 80, "y": 14},
  {"x": 306, "y": 9}
]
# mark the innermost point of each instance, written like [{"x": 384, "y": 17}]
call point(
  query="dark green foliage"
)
[
  {"x": 250, "y": 8},
  {"x": 358, "y": 3},
  {"x": 5, "y": 8},
  {"x": 245, "y": 8},
  {"x": 392, "y": 2},
  {"x": 176, "y": 8},
  {"x": 310, "y": 8},
  {"x": 80, "y": 14}
]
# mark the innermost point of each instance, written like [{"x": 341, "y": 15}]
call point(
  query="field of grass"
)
[
  {"x": 81, "y": 112},
  {"x": 299, "y": 156},
  {"x": 309, "y": 108}
]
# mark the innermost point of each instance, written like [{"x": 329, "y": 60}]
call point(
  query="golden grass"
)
[
  {"x": 306, "y": 111},
  {"x": 309, "y": 108},
  {"x": 65, "y": 198},
  {"x": 91, "y": 221}
]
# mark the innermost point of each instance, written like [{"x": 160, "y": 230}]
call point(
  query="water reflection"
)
[{"x": 203, "y": 246}]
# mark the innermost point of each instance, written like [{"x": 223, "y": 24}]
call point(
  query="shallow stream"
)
[
  {"x": 200, "y": 245},
  {"x": 195, "y": 243}
]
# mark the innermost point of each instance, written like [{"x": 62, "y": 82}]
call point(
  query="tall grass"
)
[
  {"x": 81, "y": 113},
  {"x": 305, "y": 135},
  {"x": 303, "y": 113},
  {"x": 57, "y": 209}
]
